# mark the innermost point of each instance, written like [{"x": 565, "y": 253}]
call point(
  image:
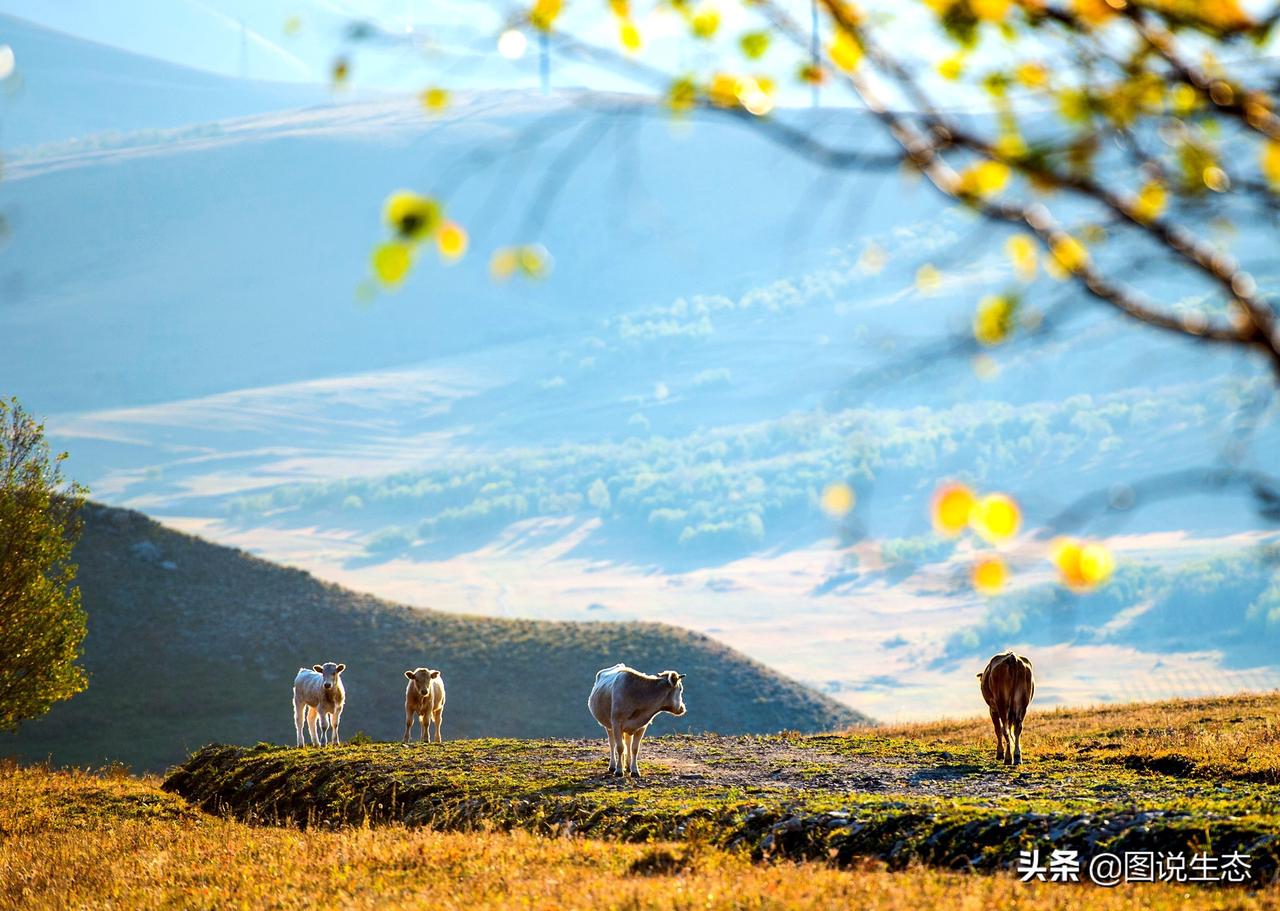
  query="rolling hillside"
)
[{"x": 191, "y": 643}]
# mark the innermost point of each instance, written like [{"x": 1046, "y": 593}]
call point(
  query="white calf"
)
[{"x": 318, "y": 698}]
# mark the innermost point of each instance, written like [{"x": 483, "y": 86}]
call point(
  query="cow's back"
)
[
  {"x": 306, "y": 686},
  {"x": 1008, "y": 685},
  {"x": 603, "y": 692}
]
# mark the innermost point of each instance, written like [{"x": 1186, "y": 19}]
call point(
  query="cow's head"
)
[
  {"x": 422, "y": 678},
  {"x": 330, "y": 672},
  {"x": 675, "y": 693}
]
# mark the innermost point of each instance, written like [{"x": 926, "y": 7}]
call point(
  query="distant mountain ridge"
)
[{"x": 191, "y": 643}]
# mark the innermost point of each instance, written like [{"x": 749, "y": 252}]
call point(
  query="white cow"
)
[
  {"x": 319, "y": 697},
  {"x": 624, "y": 702},
  {"x": 424, "y": 700}
]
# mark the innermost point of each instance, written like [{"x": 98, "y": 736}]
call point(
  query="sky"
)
[{"x": 644, "y": 435}]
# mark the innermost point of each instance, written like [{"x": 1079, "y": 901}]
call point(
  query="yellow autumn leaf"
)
[
  {"x": 544, "y": 14},
  {"x": 989, "y": 575},
  {"x": 435, "y": 99},
  {"x": 995, "y": 517},
  {"x": 754, "y": 44},
  {"x": 1069, "y": 253},
  {"x": 986, "y": 178},
  {"x": 952, "y": 68},
  {"x": 391, "y": 262},
  {"x": 411, "y": 215},
  {"x": 1270, "y": 164},
  {"x": 845, "y": 50},
  {"x": 1081, "y": 565},
  {"x": 993, "y": 321},
  {"x": 928, "y": 278},
  {"x": 629, "y": 36},
  {"x": 682, "y": 95},
  {"x": 1151, "y": 202},
  {"x": 1021, "y": 249},
  {"x": 452, "y": 240},
  {"x": 1032, "y": 75},
  {"x": 1093, "y": 12},
  {"x": 705, "y": 23},
  {"x": 990, "y": 10},
  {"x": 951, "y": 508},
  {"x": 503, "y": 263},
  {"x": 837, "y": 500}
]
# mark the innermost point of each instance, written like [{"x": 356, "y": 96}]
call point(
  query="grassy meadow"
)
[
  {"x": 716, "y": 822},
  {"x": 73, "y": 839}
]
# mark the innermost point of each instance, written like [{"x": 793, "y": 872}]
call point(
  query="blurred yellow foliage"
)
[
  {"x": 452, "y": 240},
  {"x": 845, "y": 50},
  {"x": 952, "y": 504},
  {"x": 411, "y": 215},
  {"x": 928, "y": 279},
  {"x": 952, "y": 68},
  {"x": 1151, "y": 202},
  {"x": 705, "y": 23},
  {"x": 435, "y": 99},
  {"x": 995, "y": 517},
  {"x": 1095, "y": 12},
  {"x": 682, "y": 95},
  {"x": 1069, "y": 253},
  {"x": 990, "y": 575},
  {"x": 544, "y": 14},
  {"x": 391, "y": 262},
  {"x": 629, "y": 36},
  {"x": 1081, "y": 565},
  {"x": 986, "y": 178},
  {"x": 990, "y": 10},
  {"x": 754, "y": 44},
  {"x": 837, "y": 500},
  {"x": 994, "y": 319},
  {"x": 1270, "y": 164},
  {"x": 1022, "y": 253}
]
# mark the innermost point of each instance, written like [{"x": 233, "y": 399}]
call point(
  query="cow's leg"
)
[
  {"x": 613, "y": 749},
  {"x": 334, "y": 736},
  {"x": 634, "y": 751},
  {"x": 620, "y": 754},
  {"x": 313, "y": 720},
  {"x": 408, "y": 725},
  {"x": 422, "y": 727},
  {"x": 1017, "y": 739},
  {"x": 299, "y": 714},
  {"x": 999, "y": 726},
  {"x": 439, "y": 719}
]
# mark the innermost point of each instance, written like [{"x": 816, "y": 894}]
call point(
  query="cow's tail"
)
[{"x": 1020, "y": 671}]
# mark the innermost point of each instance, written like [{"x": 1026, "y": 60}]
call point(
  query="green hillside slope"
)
[{"x": 190, "y": 643}]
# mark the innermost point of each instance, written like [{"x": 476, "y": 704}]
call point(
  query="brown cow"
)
[
  {"x": 1008, "y": 685},
  {"x": 424, "y": 700}
]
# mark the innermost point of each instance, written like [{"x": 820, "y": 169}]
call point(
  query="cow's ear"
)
[
  {"x": 341, "y": 668},
  {"x": 435, "y": 674},
  {"x": 317, "y": 668},
  {"x": 408, "y": 674}
]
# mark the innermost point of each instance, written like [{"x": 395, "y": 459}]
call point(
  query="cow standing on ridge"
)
[
  {"x": 1008, "y": 684},
  {"x": 624, "y": 701},
  {"x": 319, "y": 697},
  {"x": 424, "y": 700}
]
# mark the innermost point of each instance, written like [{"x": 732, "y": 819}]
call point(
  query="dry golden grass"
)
[
  {"x": 77, "y": 840},
  {"x": 1230, "y": 736}
]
